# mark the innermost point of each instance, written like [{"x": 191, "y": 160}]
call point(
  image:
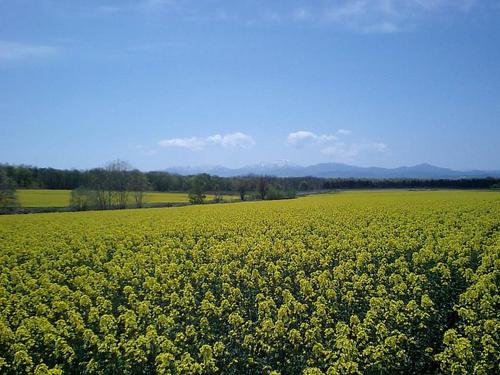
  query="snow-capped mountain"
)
[{"x": 283, "y": 168}]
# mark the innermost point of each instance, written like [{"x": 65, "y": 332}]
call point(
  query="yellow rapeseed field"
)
[{"x": 350, "y": 283}]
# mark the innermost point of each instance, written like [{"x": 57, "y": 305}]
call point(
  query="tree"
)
[
  {"x": 110, "y": 185},
  {"x": 274, "y": 192},
  {"x": 262, "y": 186},
  {"x": 98, "y": 181},
  {"x": 138, "y": 183},
  {"x": 8, "y": 198},
  {"x": 196, "y": 193},
  {"x": 218, "y": 196},
  {"x": 82, "y": 199},
  {"x": 118, "y": 182},
  {"x": 242, "y": 187},
  {"x": 303, "y": 186}
]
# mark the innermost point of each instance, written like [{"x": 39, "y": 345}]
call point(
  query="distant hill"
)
[{"x": 286, "y": 169}]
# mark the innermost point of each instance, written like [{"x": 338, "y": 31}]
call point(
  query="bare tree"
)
[
  {"x": 111, "y": 185},
  {"x": 100, "y": 183},
  {"x": 82, "y": 199},
  {"x": 138, "y": 183},
  {"x": 117, "y": 183}
]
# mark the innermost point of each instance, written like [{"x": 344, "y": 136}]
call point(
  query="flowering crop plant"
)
[{"x": 375, "y": 282}]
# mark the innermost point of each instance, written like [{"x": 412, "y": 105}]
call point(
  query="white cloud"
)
[
  {"x": 237, "y": 139},
  {"x": 232, "y": 140},
  {"x": 192, "y": 143},
  {"x": 303, "y": 137},
  {"x": 11, "y": 51},
  {"x": 333, "y": 144}
]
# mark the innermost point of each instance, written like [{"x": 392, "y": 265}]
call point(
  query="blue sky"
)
[{"x": 182, "y": 82}]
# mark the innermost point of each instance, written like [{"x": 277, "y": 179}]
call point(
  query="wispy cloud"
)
[
  {"x": 155, "y": 5},
  {"x": 237, "y": 139},
  {"x": 344, "y": 132},
  {"x": 232, "y": 140},
  {"x": 361, "y": 16},
  {"x": 383, "y": 16},
  {"x": 107, "y": 9},
  {"x": 192, "y": 143},
  {"x": 13, "y": 51},
  {"x": 113, "y": 8},
  {"x": 334, "y": 145},
  {"x": 303, "y": 137}
]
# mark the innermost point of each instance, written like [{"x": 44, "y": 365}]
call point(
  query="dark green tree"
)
[
  {"x": 262, "y": 187},
  {"x": 197, "y": 190},
  {"x": 8, "y": 197},
  {"x": 242, "y": 187}
]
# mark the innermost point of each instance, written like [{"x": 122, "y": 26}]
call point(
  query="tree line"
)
[
  {"x": 29, "y": 177},
  {"x": 117, "y": 184}
]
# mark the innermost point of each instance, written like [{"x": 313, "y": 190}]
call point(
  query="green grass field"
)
[
  {"x": 38, "y": 198},
  {"x": 31, "y": 198}
]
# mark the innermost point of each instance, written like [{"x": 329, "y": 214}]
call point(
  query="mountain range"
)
[{"x": 287, "y": 169}]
